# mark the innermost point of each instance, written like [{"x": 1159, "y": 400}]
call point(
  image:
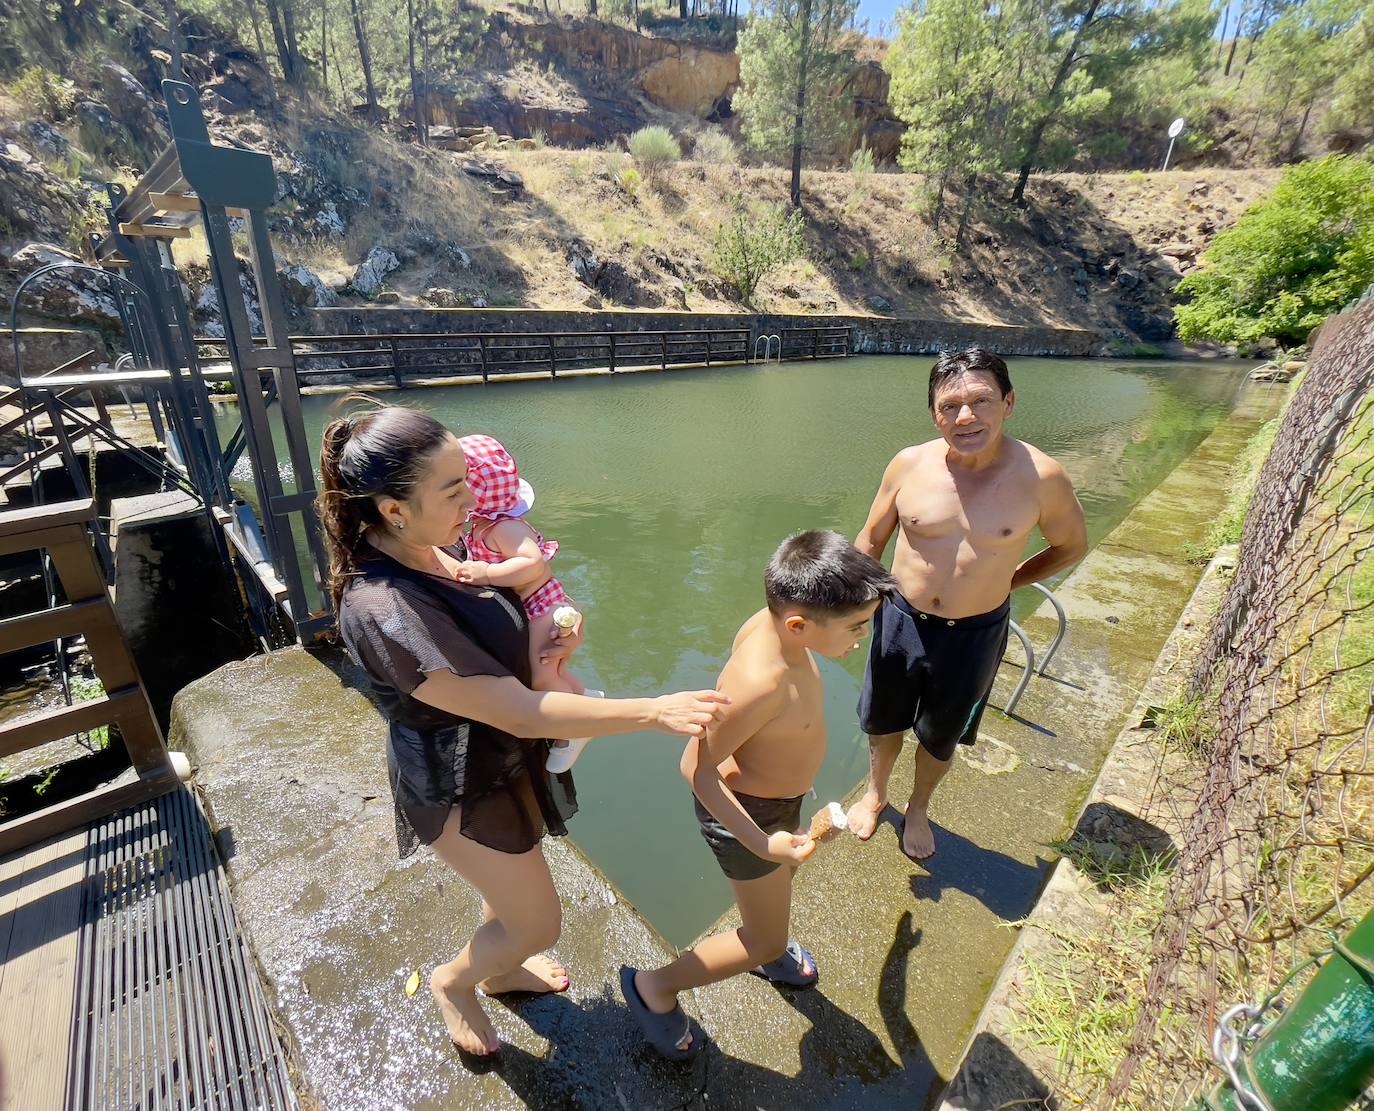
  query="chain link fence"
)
[{"x": 1278, "y": 850}]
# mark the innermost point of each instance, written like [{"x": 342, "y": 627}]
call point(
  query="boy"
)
[{"x": 749, "y": 774}]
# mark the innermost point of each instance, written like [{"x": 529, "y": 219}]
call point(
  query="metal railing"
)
[
  {"x": 413, "y": 356},
  {"x": 1029, "y": 668}
]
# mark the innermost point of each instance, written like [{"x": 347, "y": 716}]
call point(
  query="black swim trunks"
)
[
  {"x": 931, "y": 674},
  {"x": 771, "y": 815}
]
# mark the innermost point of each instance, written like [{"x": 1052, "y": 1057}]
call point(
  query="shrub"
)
[
  {"x": 627, "y": 179},
  {"x": 654, "y": 148},
  {"x": 861, "y": 162},
  {"x": 44, "y": 93},
  {"x": 754, "y": 242},
  {"x": 717, "y": 148},
  {"x": 1293, "y": 259}
]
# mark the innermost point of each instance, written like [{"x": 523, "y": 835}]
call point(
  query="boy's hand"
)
[
  {"x": 789, "y": 848},
  {"x": 473, "y": 571},
  {"x": 689, "y": 712}
]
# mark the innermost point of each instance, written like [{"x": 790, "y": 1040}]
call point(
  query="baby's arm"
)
[
  {"x": 755, "y": 700},
  {"x": 524, "y": 565}
]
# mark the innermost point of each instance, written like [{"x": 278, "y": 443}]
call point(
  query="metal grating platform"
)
[{"x": 169, "y": 1011}]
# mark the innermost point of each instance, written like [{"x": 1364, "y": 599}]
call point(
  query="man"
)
[{"x": 965, "y": 504}]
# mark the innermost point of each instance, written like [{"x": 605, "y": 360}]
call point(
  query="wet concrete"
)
[{"x": 289, "y": 756}]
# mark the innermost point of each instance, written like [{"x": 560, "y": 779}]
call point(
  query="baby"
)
[{"x": 506, "y": 550}]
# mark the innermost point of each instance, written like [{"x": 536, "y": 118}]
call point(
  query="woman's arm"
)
[{"x": 509, "y": 705}]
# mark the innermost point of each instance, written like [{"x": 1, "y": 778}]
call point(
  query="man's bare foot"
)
[
  {"x": 468, "y": 1026},
  {"x": 540, "y": 973},
  {"x": 918, "y": 839},
  {"x": 864, "y": 814}
]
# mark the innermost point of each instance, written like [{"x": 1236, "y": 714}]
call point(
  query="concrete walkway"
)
[{"x": 290, "y": 758}]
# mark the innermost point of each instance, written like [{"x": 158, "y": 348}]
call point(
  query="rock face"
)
[
  {"x": 303, "y": 287},
  {"x": 691, "y": 81},
  {"x": 71, "y": 295},
  {"x": 367, "y": 278}
]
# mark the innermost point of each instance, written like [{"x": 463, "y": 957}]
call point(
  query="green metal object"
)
[{"x": 1316, "y": 1056}]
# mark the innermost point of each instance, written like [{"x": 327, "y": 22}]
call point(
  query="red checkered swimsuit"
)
[{"x": 544, "y": 599}]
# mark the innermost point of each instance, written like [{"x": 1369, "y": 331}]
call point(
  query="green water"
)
[{"x": 668, "y": 492}]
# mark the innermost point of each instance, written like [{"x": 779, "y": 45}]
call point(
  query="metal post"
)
[
  {"x": 1319, "y": 1054},
  {"x": 1025, "y": 671},
  {"x": 553, "y": 362},
  {"x": 612, "y": 338},
  {"x": 482, "y": 354},
  {"x": 663, "y": 341}
]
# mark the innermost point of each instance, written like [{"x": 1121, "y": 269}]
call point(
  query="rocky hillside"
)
[{"x": 496, "y": 212}]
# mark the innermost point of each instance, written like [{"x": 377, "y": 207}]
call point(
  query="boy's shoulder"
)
[{"x": 755, "y": 658}]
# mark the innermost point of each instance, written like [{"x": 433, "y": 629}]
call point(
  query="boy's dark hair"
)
[
  {"x": 952, "y": 364},
  {"x": 823, "y": 574}
]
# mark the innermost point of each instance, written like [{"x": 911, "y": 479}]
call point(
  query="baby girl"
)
[{"x": 506, "y": 550}]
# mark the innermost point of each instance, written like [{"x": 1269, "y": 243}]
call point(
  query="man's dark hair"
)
[
  {"x": 953, "y": 364},
  {"x": 823, "y": 574}
]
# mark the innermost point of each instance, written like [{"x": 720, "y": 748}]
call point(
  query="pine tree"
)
[{"x": 791, "y": 74}]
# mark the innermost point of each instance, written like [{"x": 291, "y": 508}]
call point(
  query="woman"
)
[{"x": 449, "y": 664}]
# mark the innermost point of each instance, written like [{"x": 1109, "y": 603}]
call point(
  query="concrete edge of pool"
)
[{"x": 288, "y": 759}]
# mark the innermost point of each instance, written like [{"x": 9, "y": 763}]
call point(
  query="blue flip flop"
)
[
  {"x": 663, "y": 1032},
  {"x": 787, "y": 969}
]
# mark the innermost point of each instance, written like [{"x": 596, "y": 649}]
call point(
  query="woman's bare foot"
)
[
  {"x": 468, "y": 1026},
  {"x": 918, "y": 839},
  {"x": 538, "y": 974},
  {"x": 864, "y": 814}
]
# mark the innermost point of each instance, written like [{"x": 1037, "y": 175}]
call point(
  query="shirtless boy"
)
[
  {"x": 965, "y": 504},
  {"x": 749, "y": 774}
]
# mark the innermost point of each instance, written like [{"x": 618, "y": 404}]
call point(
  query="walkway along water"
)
[{"x": 907, "y": 953}]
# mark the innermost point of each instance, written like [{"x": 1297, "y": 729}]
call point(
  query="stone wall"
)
[{"x": 873, "y": 335}]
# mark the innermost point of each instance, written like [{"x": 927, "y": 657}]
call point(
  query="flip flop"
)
[
  {"x": 787, "y": 969},
  {"x": 663, "y": 1032}
]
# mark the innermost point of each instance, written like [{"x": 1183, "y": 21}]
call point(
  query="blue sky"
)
[{"x": 885, "y": 11}]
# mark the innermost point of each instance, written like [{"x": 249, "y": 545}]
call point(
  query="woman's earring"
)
[{"x": 399, "y": 524}]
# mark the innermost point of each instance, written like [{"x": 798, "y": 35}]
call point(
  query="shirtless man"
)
[
  {"x": 966, "y": 504},
  {"x": 750, "y": 774}
]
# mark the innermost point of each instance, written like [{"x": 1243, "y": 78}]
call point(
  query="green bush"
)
[
  {"x": 627, "y": 178},
  {"x": 44, "y": 93},
  {"x": 715, "y": 147},
  {"x": 861, "y": 162},
  {"x": 755, "y": 241},
  {"x": 654, "y": 149},
  {"x": 1301, "y": 254}
]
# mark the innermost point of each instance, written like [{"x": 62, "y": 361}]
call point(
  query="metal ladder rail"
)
[{"x": 1029, "y": 668}]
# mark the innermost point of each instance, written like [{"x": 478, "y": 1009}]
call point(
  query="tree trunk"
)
[
  {"x": 364, "y": 56},
  {"x": 324, "y": 47},
  {"x": 283, "y": 35},
  {"x": 1250, "y": 50},
  {"x": 1235, "y": 38},
  {"x": 1221, "y": 42},
  {"x": 1018, "y": 195},
  {"x": 1302, "y": 127},
  {"x": 421, "y": 131},
  {"x": 970, "y": 197},
  {"x": 804, "y": 56},
  {"x": 682, "y": 9},
  {"x": 288, "y": 18},
  {"x": 174, "y": 39},
  {"x": 256, "y": 21}
]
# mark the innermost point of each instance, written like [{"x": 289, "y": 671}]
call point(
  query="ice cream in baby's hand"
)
[
  {"x": 566, "y": 618},
  {"x": 829, "y": 822}
]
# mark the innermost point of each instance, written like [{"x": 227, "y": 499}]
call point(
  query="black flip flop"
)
[
  {"x": 663, "y": 1032},
  {"x": 787, "y": 969}
]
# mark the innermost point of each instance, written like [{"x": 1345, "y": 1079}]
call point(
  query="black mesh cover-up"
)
[{"x": 400, "y": 624}]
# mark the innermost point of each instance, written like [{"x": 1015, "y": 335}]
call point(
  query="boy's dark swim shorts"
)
[
  {"x": 771, "y": 815},
  {"x": 931, "y": 674}
]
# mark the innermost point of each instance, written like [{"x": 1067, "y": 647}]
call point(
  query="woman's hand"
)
[
  {"x": 689, "y": 712},
  {"x": 789, "y": 848},
  {"x": 474, "y": 572}
]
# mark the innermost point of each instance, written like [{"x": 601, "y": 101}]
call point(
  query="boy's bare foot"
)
[
  {"x": 656, "y": 1003},
  {"x": 468, "y": 1026},
  {"x": 918, "y": 839},
  {"x": 540, "y": 973},
  {"x": 863, "y": 815}
]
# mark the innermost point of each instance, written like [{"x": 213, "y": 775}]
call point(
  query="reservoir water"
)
[{"x": 668, "y": 492}]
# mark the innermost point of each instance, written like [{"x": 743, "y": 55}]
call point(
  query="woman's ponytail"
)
[{"x": 381, "y": 452}]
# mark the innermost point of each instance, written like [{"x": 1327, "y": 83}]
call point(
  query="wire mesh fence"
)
[{"x": 1279, "y": 848}]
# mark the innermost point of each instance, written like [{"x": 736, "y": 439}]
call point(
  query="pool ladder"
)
[
  {"x": 768, "y": 342},
  {"x": 1029, "y": 668}
]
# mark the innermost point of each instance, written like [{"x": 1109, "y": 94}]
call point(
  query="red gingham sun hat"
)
[{"x": 496, "y": 485}]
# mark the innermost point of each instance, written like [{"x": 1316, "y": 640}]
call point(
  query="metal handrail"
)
[
  {"x": 767, "y": 341},
  {"x": 1029, "y": 668}
]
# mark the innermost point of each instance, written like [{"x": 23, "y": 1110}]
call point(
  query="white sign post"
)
[{"x": 1175, "y": 129}]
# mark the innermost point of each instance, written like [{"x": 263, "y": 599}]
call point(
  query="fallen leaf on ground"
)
[{"x": 413, "y": 984}]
